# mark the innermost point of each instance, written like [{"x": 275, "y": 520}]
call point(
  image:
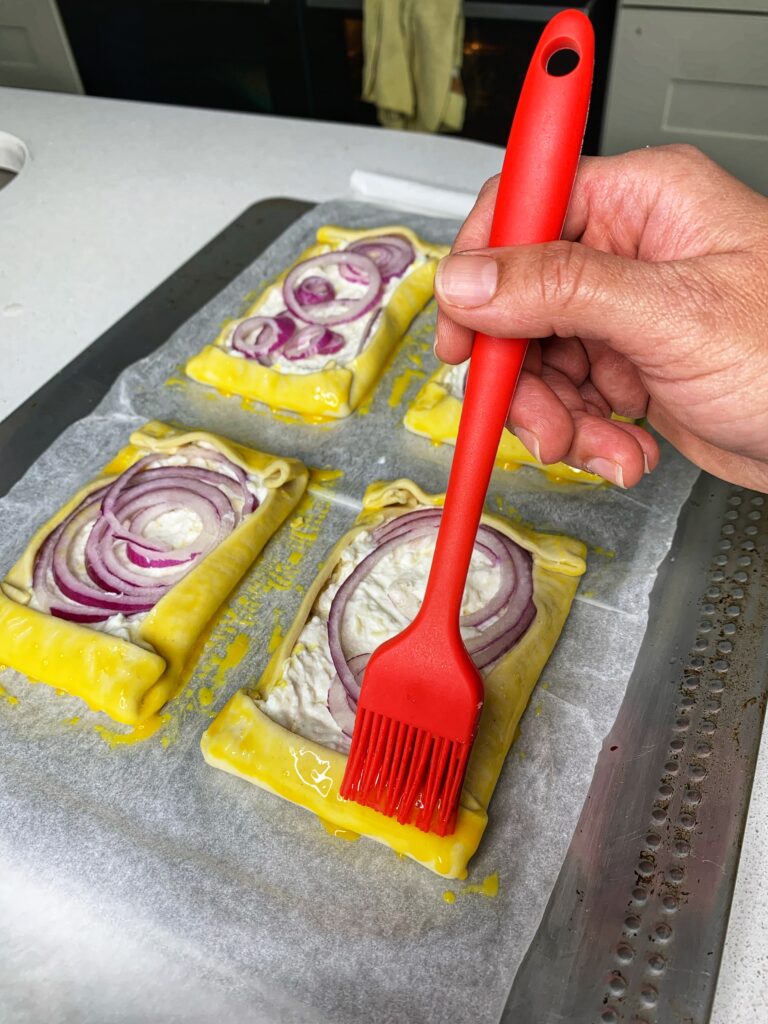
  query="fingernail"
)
[
  {"x": 434, "y": 350},
  {"x": 530, "y": 441},
  {"x": 645, "y": 463},
  {"x": 466, "y": 280},
  {"x": 607, "y": 469}
]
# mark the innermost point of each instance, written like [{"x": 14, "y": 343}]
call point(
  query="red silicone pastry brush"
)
[{"x": 421, "y": 694}]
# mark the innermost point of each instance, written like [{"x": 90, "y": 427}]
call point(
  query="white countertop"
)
[{"x": 116, "y": 195}]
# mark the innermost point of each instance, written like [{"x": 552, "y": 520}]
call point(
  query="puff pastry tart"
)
[
  {"x": 112, "y": 596},
  {"x": 316, "y": 340},
  {"x": 290, "y": 735},
  {"x": 435, "y": 412}
]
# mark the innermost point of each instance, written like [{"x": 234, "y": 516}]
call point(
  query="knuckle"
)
[
  {"x": 562, "y": 275},
  {"x": 688, "y": 151},
  {"x": 685, "y": 154}
]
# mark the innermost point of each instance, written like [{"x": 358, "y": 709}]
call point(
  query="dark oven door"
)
[
  {"x": 499, "y": 41},
  {"x": 230, "y": 54}
]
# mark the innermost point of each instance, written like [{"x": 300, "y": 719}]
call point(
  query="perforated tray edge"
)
[{"x": 635, "y": 927}]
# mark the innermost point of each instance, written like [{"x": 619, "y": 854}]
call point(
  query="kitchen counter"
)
[{"x": 115, "y": 196}]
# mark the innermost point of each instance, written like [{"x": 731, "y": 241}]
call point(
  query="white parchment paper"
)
[{"x": 137, "y": 884}]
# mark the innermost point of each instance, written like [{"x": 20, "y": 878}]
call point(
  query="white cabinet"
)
[
  {"x": 34, "y": 52},
  {"x": 692, "y": 75}
]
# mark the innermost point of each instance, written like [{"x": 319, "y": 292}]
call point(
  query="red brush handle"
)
[{"x": 535, "y": 188}]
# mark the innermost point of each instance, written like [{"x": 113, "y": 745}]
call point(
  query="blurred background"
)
[{"x": 667, "y": 70}]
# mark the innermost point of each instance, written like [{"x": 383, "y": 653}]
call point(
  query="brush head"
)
[{"x": 409, "y": 750}]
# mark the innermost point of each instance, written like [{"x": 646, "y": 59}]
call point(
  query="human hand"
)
[{"x": 655, "y": 303}]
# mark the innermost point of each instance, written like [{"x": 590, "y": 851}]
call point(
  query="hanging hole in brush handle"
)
[
  {"x": 562, "y": 62},
  {"x": 546, "y": 136}
]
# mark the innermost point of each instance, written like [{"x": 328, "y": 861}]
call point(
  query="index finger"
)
[{"x": 475, "y": 232}]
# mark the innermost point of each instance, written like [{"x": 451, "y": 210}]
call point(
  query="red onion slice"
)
[
  {"x": 512, "y": 568},
  {"x": 148, "y": 560},
  {"x": 110, "y": 570},
  {"x": 48, "y": 597},
  {"x": 312, "y": 340},
  {"x": 342, "y": 595},
  {"x": 77, "y": 586},
  {"x": 99, "y": 561},
  {"x": 343, "y": 705},
  {"x": 259, "y": 336},
  {"x": 327, "y": 313},
  {"x": 209, "y": 503},
  {"x": 229, "y": 471},
  {"x": 351, "y": 272},
  {"x": 502, "y": 620},
  {"x": 499, "y": 638},
  {"x": 315, "y": 290},
  {"x": 400, "y": 526},
  {"x": 71, "y": 614},
  {"x": 392, "y": 254},
  {"x": 370, "y": 328},
  {"x": 330, "y": 343},
  {"x": 196, "y": 478},
  {"x": 341, "y": 708}
]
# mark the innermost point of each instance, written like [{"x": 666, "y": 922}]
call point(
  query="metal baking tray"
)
[{"x": 635, "y": 926}]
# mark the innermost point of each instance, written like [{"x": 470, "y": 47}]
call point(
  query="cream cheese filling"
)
[
  {"x": 455, "y": 380},
  {"x": 385, "y": 601},
  {"x": 356, "y": 334}
]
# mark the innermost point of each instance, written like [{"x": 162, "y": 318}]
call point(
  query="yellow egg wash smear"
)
[
  {"x": 415, "y": 345},
  {"x": 249, "y": 615},
  {"x": 488, "y": 887},
  {"x": 339, "y": 833},
  {"x": 234, "y": 654},
  {"x": 401, "y": 384},
  {"x": 137, "y": 734},
  {"x": 7, "y": 697},
  {"x": 325, "y": 476}
]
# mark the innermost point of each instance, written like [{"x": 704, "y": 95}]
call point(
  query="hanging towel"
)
[{"x": 413, "y": 55}]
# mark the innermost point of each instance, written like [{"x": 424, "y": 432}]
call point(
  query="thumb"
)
[{"x": 568, "y": 289}]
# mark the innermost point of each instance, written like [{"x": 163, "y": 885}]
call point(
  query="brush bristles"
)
[{"x": 405, "y": 772}]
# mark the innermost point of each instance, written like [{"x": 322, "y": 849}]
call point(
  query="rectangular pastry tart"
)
[
  {"x": 435, "y": 412},
  {"x": 316, "y": 340},
  {"x": 111, "y": 599},
  {"x": 291, "y": 734}
]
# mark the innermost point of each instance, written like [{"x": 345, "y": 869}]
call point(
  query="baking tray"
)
[{"x": 635, "y": 926}]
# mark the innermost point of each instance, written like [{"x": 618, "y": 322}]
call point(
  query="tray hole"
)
[
  {"x": 625, "y": 954},
  {"x": 657, "y": 963}
]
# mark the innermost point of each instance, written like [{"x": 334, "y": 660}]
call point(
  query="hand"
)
[{"x": 655, "y": 303}]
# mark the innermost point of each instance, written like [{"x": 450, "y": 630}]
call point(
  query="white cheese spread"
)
[
  {"x": 385, "y": 601},
  {"x": 455, "y": 381}
]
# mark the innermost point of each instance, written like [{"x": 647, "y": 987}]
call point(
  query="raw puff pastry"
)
[
  {"x": 435, "y": 413},
  {"x": 128, "y": 681},
  {"x": 337, "y": 390},
  {"x": 242, "y": 740}
]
